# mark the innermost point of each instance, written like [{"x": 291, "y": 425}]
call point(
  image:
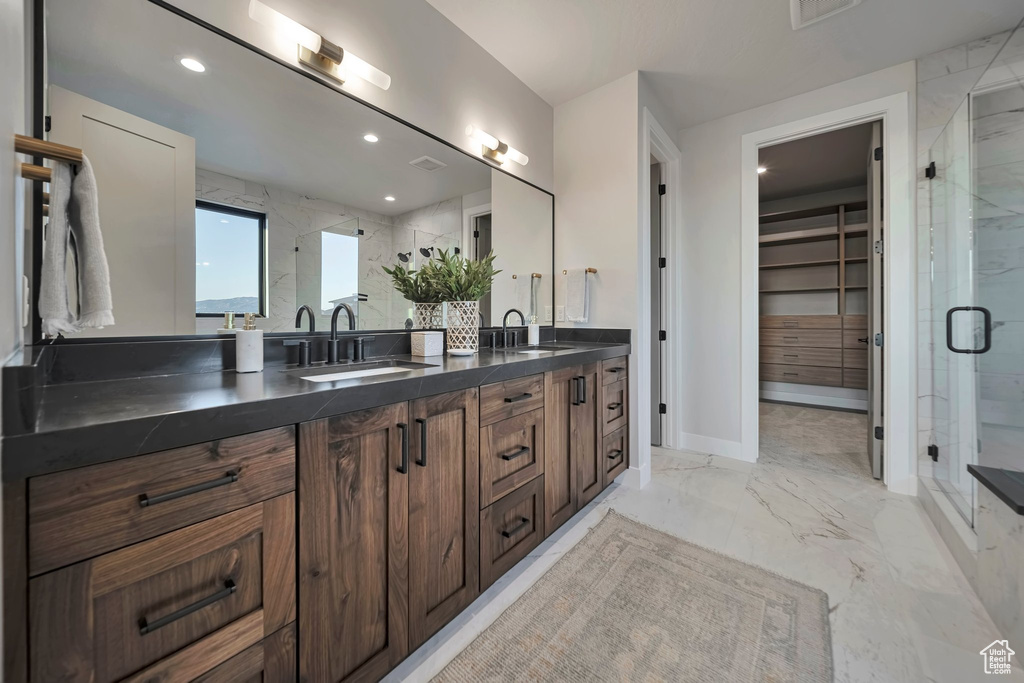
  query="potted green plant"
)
[
  {"x": 461, "y": 283},
  {"x": 417, "y": 287}
]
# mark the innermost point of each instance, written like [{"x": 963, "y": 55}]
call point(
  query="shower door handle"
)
[{"x": 987, "y": 327}]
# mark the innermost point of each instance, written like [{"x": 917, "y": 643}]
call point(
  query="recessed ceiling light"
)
[
  {"x": 224, "y": 220},
  {"x": 389, "y": 198},
  {"x": 370, "y": 137},
  {"x": 193, "y": 64},
  {"x": 761, "y": 169}
]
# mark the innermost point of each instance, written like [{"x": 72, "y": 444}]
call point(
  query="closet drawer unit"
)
[
  {"x": 616, "y": 454},
  {"x": 830, "y": 358},
  {"x": 800, "y": 322},
  {"x": 855, "y": 379},
  {"x": 614, "y": 406},
  {"x": 855, "y": 322},
  {"x": 801, "y": 374},
  {"x": 503, "y": 400},
  {"x": 852, "y": 339},
  {"x": 510, "y": 529},
  {"x": 226, "y": 582},
  {"x": 84, "y": 512},
  {"x": 511, "y": 454},
  {"x": 272, "y": 660},
  {"x": 614, "y": 369},
  {"x": 856, "y": 359},
  {"x": 828, "y": 339}
]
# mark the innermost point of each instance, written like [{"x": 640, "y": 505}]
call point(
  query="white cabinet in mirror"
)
[{"x": 248, "y": 187}]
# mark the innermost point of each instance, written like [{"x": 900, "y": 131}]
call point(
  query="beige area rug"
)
[{"x": 630, "y": 603}]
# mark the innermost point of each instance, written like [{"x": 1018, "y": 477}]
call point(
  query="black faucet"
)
[
  {"x": 504, "y": 327},
  {"x": 312, "y": 318},
  {"x": 332, "y": 343}
]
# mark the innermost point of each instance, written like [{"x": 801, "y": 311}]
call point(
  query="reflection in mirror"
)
[{"x": 242, "y": 186}]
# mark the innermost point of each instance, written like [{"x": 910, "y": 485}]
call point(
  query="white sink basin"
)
[{"x": 355, "y": 374}]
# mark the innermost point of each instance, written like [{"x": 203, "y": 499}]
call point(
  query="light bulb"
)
[
  {"x": 761, "y": 169},
  {"x": 192, "y": 64},
  {"x": 517, "y": 156},
  {"x": 485, "y": 139},
  {"x": 366, "y": 71},
  {"x": 370, "y": 137},
  {"x": 389, "y": 198},
  {"x": 289, "y": 28}
]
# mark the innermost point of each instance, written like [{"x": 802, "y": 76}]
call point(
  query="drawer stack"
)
[
  {"x": 615, "y": 408},
  {"x": 855, "y": 351},
  {"x": 168, "y": 566},
  {"x": 802, "y": 349}
]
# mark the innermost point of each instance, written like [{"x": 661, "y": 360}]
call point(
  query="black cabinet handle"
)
[
  {"x": 862, "y": 340},
  {"x": 581, "y": 388},
  {"x": 616, "y": 370},
  {"x": 517, "y": 399},
  {"x": 422, "y": 462},
  {"x": 146, "y": 626},
  {"x": 614, "y": 406},
  {"x": 986, "y": 314},
  {"x": 517, "y": 528},
  {"x": 614, "y": 454},
  {"x": 575, "y": 391},
  {"x": 404, "y": 469},
  {"x": 229, "y": 478},
  {"x": 523, "y": 450}
]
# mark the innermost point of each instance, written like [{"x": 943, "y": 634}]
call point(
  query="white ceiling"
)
[
  {"x": 251, "y": 118},
  {"x": 710, "y": 58},
  {"x": 830, "y": 161}
]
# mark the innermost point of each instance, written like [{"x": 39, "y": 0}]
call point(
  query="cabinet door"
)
[
  {"x": 586, "y": 424},
  {"x": 444, "y": 511},
  {"x": 560, "y": 397},
  {"x": 353, "y": 544}
]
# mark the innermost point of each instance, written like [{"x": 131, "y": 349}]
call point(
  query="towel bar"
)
[
  {"x": 45, "y": 149},
  {"x": 589, "y": 270},
  {"x": 535, "y": 276}
]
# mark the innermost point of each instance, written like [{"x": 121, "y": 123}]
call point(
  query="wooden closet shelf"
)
[
  {"x": 856, "y": 230},
  {"x": 800, "y": 264},
  {"x": 800, "y": 289},
  {"x": 797, "y": 237},
  {"x": 856, "y": 287},
  {"x": 856, "y": 259}
]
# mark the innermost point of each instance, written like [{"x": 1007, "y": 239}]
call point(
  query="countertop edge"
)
[{"x": 999, "y": 482}]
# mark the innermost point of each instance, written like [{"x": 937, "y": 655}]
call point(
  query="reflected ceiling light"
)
[
  {"x": 389, "y": 198},
  {"x": 761, "y": 169},
  {"x": 495, "y": 149},
  {"x": 316, "y": 51},
  {"x": 192, "y": 64},
  {"x": 370, "y": 137}
]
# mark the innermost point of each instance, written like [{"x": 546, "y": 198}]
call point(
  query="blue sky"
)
[{"x": 227, "y": 256}]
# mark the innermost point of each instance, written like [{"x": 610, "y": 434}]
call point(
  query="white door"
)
[
  {"x": 145, "y": 174},
  {"x": 875, "y": 299}
]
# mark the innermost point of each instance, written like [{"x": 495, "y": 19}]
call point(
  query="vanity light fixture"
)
[
  {"x": 317, "y": 52},
  {"x": 495, "y": 149},
  {"x": 370, "y": 137},
  {"x": 192, "y": 64},
  {"x": 389, "y": 198},
  {"x": 761, "y": 169}
]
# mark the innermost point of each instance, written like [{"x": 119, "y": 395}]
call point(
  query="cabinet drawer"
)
[
  {"x": 828, "y": 339},
  {"x": 220, "y": 584},
  {"x": 802, "y": 374},
  {"x": 503, "y": 400},
  {"x": 855, "y": 379},
  {"x": 615, "y": 454},
  {"x": 511, "y": 454},
  {"x": 614, "y": 369},
  {"x": 614, "y": 406},
  {"x": 855, "y": 358},
  {"x": 84, "y": 512},
  {"x": 858, "y": 322},
  {"x": 801, "y": 322},
  {"x": 272, "y": 660},
  {"x": 510, "y": 529},
  {"x": 852, "y": 339},
  {"x": 829, "y": 358}
]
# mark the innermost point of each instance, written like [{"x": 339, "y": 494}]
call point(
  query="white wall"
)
[
  {"x": 708, "y": 385},
  {"x": 441, "y": 79}
]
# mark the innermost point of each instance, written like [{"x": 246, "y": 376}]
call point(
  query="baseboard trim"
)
[
  {"x": 814, "y": 400},
  {"x": 711, "y": 446}
]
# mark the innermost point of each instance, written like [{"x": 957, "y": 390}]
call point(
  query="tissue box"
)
[{"x": 427, "y": 343}]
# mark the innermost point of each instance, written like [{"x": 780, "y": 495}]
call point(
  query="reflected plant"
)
[
  {"x": 415, "y": 285},
  {"x": 456, "y": 278}
]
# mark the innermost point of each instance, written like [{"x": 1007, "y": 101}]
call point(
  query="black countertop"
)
[
  {"x": 87, "y": 422},
  {"x": 1008, "y": 485}
]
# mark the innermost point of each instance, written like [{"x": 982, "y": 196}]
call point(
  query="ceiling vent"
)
[
  {"x": 427, "y": 164},
  {"x": 806, "y": 12}
]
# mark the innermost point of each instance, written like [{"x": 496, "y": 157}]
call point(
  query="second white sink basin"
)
[{"x": 355, "y": 374}]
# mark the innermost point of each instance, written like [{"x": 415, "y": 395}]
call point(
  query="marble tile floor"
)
[{"x": 901, "y": 610}]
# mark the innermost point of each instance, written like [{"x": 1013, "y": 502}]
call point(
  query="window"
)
[
  {"x": 339, "y": 265},
  {"x": 230, "y": 260}
]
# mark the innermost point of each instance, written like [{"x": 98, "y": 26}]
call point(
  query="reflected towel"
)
[
  {"x": 577, "y": 296},
  {"x": 74, "y": 226},
  {"x": 524, "y": 294}
]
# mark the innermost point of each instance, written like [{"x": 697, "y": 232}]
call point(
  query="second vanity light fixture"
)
[
  {"x": 317, "y": 52},
  {"x": 495, "y": 149}
]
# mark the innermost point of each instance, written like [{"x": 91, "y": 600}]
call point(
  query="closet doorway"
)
[{"x": 820, "y": 297}]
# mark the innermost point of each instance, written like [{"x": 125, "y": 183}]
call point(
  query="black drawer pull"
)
[
  {"x": 517, "y": 399},
  {"x": 582, "y": 387},
  {"x": 614, "y": 406},
  {"x": 229, "y": 478},
  {"x": 790, "y": 323},
  {"x": 523, "y": 450},
  {"x": 616, "y": 370},
  {"x": 791, "y": 338},
  {"x": 791, "y": 374},
  {"x": 422, "y": 462},
  {"x": 575, "y": 391},
  {"x": 612, "y": 455},
  {"x": 404, "y": 469},
  {"x": 146, "y": 626},
  {"x": 517, "y": 528}
]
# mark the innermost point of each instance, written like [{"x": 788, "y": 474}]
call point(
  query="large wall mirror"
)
[{"x": 248, "y": 187}]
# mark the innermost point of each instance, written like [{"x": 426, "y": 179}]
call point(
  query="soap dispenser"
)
[
  {"x": 249, "y": 346},
  {"x": 533, "y": 331}
]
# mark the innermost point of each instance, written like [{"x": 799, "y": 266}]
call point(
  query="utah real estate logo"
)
[{"x": 997, "y": 657}]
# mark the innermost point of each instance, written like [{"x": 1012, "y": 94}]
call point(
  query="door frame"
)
[
  {"x": 468, "y": 215},
  {"x": 654, "y": 141},
  {"x": 899, "y": 320}
]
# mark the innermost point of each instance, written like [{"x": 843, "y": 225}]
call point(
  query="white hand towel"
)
[
  {"x": 74, "y": 222},
  {"x": 524, "y": 294},
  {"x": 577, "y": 296}
]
